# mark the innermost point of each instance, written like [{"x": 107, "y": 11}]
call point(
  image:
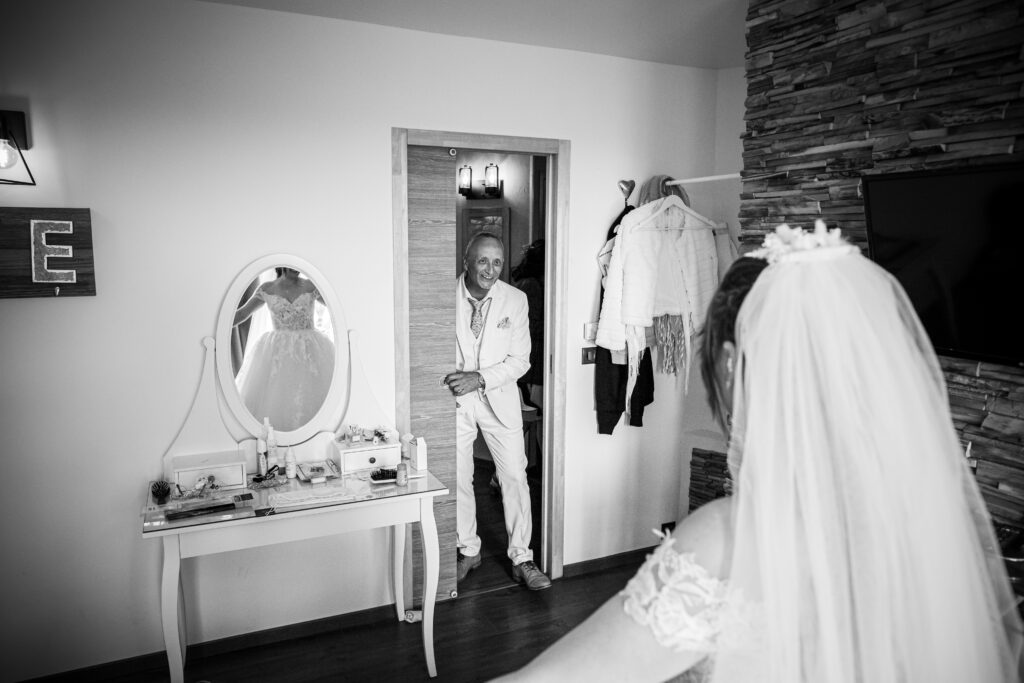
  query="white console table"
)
[{"x": 365, "y": 506}]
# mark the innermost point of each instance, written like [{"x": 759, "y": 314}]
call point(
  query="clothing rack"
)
[{"x": 725, "y": 176}]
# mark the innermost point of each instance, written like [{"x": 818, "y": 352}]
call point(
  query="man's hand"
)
[{"x": 461, "y": 383}]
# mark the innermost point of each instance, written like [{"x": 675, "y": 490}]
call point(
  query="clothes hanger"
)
[{"x": 668, "y": 202}]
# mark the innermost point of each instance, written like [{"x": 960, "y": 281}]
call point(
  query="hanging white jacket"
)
[{"x": 664, "y": 261}]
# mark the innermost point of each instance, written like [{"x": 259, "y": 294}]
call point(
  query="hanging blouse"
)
[{"x": 664, "y": 262}]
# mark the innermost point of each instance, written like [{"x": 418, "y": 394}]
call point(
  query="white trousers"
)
[{"x": 509, "y": 453}]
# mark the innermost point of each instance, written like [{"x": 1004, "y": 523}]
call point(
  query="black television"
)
[{"x": 954, "y": 238}]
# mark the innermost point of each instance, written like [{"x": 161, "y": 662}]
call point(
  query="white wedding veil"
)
[{"x": 863, "y": 552}]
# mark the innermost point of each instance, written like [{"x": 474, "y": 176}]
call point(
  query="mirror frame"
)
[{"x": 331, "y": 411}]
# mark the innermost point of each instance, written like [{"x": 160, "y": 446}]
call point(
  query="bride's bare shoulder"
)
[{"x": 707, "y": 532}]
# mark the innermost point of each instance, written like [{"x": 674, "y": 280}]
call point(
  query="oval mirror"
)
[{"x": 282, "y": 349}]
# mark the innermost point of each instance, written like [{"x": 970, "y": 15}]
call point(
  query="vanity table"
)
[
  {"x": 297, "y": 511},
  {"x": 237, "y": 395}
]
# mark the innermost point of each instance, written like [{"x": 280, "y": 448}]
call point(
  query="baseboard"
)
[{"x": 630, "y": 557}]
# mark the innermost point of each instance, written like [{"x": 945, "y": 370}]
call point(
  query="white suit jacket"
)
[{"x": 504, "y": 348}]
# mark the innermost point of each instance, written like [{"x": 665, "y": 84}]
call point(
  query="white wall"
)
[
  {"x": 719, "y": 199},
  {"x": 203, "y": 136}
]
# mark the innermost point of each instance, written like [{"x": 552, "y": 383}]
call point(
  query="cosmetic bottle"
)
[
  {"x": 272, "y": 452},
  {"x": 402, "y": 471},
  {"x": 261, "y": 457},
  {"x": 289, "y": 464}
]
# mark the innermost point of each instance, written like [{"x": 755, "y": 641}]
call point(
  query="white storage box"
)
[
  {"x": 418, "y": 454},
  {"x": 364, "y": 455},
  {"x": 227, "y": 468}
]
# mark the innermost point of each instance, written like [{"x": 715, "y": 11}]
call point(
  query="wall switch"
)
[
  {"x": 590, "y": 332},
  {"x": 589, "y": 355}
]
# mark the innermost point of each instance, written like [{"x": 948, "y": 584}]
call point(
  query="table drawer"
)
[{"x": 356, "y": 457}]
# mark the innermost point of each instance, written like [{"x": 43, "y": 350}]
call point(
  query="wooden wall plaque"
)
[{"x": 46, "y": 252}]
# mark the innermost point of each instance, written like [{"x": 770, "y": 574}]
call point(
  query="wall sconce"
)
[
  {"x": 465, "y": 180},
  {"x": 14, "y": 139},
  {"x": 491, "y": 186}
]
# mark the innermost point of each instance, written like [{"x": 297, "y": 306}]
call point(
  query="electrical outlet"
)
[
  {"x": 589, "y": 355},
  {"x": 668, "y": 527}
]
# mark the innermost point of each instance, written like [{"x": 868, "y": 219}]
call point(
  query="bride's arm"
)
[
  {"x": 611, "y": 645},
  {"x": 249, "y": 307}
]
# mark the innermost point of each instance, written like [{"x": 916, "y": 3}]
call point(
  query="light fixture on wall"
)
[
  {"x": 14, "y": 139},
  {"x": 465, "y": 180},
  {"x": 491, "y": 186}
]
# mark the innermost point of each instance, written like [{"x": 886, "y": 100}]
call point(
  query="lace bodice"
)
[{"x": 290, "y": 315}]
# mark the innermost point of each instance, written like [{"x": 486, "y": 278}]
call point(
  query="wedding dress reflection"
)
[{"x": 288, "y": 360}]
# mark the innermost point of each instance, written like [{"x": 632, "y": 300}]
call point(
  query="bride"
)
[
  {"x": 286, "y": 375},
  {"x": 856, "y": 548}
]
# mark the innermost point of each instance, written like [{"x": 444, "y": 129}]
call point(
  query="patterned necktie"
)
[{"x": 476, "y": 323}]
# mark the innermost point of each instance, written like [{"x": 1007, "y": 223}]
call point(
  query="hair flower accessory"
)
[{"x": 788, "y": 243}]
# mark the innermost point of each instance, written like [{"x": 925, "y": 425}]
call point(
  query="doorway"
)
[
  {"x": 424, "y": 228},
  {"x": 514, "y": 210}
]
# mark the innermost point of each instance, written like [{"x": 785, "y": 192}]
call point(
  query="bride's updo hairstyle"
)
[{"x": 720, "y": 324}]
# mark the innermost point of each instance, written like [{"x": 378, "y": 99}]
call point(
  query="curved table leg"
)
[
  {"x": 431, "y": 565},
  {"x": 398, "y": 568},
  {"x": 170, "y": 580}
]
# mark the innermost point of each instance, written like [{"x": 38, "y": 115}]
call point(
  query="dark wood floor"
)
[
  {"x": 495, "y": 570},
  {"x": 476, "y": 638}
]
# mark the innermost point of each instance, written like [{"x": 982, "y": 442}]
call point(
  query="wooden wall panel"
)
[
  {"x": 839, "y": 89},
  {"x": 431, "y": 296}
]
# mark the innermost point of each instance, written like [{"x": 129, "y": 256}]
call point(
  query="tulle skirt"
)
[{"x": 286, "y": 377}]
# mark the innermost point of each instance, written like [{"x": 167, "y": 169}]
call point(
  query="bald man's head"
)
[{"x": 484, "y": 260}]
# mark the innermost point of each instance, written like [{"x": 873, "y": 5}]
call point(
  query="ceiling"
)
[{"x": 699, "y": 33}]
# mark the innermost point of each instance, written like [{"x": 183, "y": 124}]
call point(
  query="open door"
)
[{"x": 424, "y": 189}]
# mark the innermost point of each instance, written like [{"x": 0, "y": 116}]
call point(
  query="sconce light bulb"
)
[
  {"x": 465, "y": 177},
  {"x": 8, "y": 155}
]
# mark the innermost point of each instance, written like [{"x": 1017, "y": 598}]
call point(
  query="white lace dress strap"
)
[{"x": 677, "y": 599}]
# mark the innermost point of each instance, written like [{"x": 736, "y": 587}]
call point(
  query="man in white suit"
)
[{"x": 492, "y": 351}]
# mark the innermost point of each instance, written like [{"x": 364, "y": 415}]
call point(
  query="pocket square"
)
[{"x": 505, "y": 323}]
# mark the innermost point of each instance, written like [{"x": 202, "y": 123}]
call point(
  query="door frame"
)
[{"x": 556, "y": 263}]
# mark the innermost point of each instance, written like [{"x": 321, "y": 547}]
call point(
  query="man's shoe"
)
[
  {"x": 528, "y": 573},
  {"x": 465, "y": 565}
]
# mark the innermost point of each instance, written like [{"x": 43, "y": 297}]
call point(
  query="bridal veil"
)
[{"x": 863, "y": 550}]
